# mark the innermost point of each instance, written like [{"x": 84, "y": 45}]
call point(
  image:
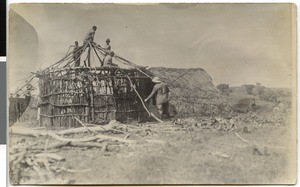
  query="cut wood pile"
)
[
  {"x": 34, "y": 153},
  {"x": 192, "y": 91}
]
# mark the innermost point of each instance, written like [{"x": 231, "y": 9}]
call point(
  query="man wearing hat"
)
[
  {"x": 107, "y": 47},
  {"x": 162, "y": 96}
]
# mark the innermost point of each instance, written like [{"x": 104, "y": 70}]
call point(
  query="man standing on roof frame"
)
[
  {"x": 107, "y": 47},
  {"x": 89, "y": 39},
  {"x": 90, "y": 36},
  {"x": 107, "y": 62},
  {"x": 162, "y": 97}
]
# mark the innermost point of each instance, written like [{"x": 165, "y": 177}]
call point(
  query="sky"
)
[{"x": 235, "y": 43}]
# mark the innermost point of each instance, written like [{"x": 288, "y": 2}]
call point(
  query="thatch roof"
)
[{"x": 192, "y": 90}]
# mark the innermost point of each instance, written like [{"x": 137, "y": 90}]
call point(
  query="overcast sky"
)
[{"x": 235, "y": 43}]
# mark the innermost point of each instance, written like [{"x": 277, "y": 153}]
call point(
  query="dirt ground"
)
[
  {"x": 256, "y": 147},
  {"x": 197, "y": 157},
  {"x": 249, "y": 153}
]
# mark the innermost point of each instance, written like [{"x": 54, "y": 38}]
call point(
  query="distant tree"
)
[
  {"x": 260, "y": 90},
  {"x": 249, "y": 89},
  {"x": 280, "y": 92},
  {"x": 269, "y": 95},
  {"x": 224, "y": 88}
]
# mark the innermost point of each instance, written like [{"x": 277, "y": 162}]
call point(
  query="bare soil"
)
[
  {"x": 189, "y": 155},
  {"x": 196, "y": 157},
  {"x": 257, "y": 147}
]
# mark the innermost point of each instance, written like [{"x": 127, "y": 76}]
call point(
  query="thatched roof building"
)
[{"x": 192, "y": 91}]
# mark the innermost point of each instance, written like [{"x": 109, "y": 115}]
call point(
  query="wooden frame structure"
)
[{"x": 92, "y": 94}]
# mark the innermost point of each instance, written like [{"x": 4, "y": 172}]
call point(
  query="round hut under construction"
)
[{"x": 81, "y": 88}]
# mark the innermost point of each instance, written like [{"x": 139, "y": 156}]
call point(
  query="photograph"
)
[{"x": 152, "y": 94}]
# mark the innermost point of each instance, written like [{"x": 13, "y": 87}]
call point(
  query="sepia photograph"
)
[{"x": 157, "y": 94}]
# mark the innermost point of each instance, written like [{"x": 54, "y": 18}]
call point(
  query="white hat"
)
[{"x": 156, "y": 80}]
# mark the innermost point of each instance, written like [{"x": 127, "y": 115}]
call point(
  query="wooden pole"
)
[
  {"x": 150, "y": 113},
  {"x": 92, "y": 102},
  {"x": 101, "y": 62},
  {"x": 89, "y": 55}
]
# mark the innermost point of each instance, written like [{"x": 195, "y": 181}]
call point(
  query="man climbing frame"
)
[
  {"x": 88, "y": 40},
  {"x": 162, "y": 97},
  {"x": 90, "y": 35}
]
